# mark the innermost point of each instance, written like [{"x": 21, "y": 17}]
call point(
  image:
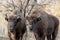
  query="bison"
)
[
  {"x": 16, "y": 26},
  {"x": 43, "y": 25}
]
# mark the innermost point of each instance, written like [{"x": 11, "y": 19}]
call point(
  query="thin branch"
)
[
  {"x": 26, "y": 7},
  {"x": 7, "y": 5},
  {"x": 21, "y": 6},
  {"x": 21, "y": 3},
  {"x": 31, "y": 9},
  {"x": 13, "y": 4},
  {"x": 4, "y": 6},
  {"x": 27, "y": 4}
]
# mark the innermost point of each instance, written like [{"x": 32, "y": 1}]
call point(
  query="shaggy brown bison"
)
[
  {"x": 16, "y": 26},
  {"x": 43, "y": 25}
]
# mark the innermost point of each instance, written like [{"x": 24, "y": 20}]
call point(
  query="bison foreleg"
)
[
  {"x": 11, "y": 36},
  {"x": 54, "y": 34},
  {"x": 49, "y": 37}
]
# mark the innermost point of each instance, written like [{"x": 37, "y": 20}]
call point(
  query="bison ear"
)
[
  {"x": 6, "y": 17},
  {"x": 38, "y": 19}
]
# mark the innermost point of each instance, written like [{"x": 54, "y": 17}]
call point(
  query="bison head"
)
[
  {"x": 34, "y": 17},
  {"x": 12, "y": 20}
]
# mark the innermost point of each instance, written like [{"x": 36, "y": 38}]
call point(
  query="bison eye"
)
[
  {"x": 36, "y": 20},
  {"x": 18, "y": 19}
]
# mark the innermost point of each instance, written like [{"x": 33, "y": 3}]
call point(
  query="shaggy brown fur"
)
[
  {"x": 16, "y": 27},
  {"x": 43, "y": 25}
]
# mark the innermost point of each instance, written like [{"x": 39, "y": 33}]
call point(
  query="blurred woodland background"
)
[{"x": 52, "y": 7}]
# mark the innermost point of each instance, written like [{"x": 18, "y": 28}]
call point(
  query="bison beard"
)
[{"x": 45, "y": 25}]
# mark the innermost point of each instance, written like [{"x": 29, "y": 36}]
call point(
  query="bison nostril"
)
[
  {"x": 11, "y": 29},
  {"x": 31, "y": 28}
]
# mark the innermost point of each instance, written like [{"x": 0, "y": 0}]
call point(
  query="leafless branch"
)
[
  {"x": 26, "y": 7},
  {"x": 27, "y": 4},
  {"x": 13, "y": 4},
  {"x": 24, "y": 2},
  {"x": 31, "y": 9},
  {"x": 21, "y": 6},
  {"x": 21, "y": 3}
]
